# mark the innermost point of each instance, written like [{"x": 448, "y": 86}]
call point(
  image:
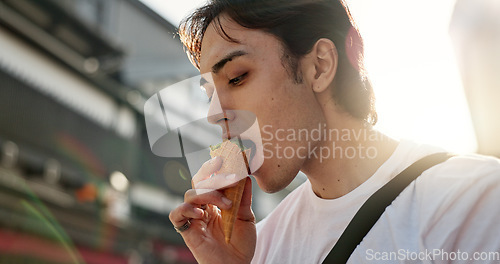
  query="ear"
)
[{"x": 324, "y": 57}]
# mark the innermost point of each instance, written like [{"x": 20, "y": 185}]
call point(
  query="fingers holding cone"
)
[{"x": 234, "y": 162}]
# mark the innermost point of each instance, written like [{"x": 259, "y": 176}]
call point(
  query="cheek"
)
[{"x": 279, "y": 103}]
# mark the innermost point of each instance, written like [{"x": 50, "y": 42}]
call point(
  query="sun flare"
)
[{"x": 411, "y": 62}]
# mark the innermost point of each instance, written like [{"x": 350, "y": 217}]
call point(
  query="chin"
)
[{"x": 269, "y": 185}]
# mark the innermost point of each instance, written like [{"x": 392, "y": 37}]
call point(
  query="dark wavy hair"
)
[{"x": 298, "y": 24}]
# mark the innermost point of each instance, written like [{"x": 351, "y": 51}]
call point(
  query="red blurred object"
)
[
  {"x": 20, "y": 244},
  {"x": 87, "y": 193},
  {"x": 95, "y": 257}
]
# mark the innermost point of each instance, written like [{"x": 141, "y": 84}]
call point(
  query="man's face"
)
[{"x": 250, "y": 75}]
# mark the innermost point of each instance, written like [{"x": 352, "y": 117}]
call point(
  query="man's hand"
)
[{"x": 205, "y": 237}]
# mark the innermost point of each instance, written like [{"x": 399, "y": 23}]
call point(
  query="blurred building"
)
[
  {"x": 475, "y": 30},
  {"x": 78, "y": 181}
]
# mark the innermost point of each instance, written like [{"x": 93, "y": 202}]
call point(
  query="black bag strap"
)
[{"x": 374, "y": 207}]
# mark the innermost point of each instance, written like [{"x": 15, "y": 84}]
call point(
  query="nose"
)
[{"x": 217, "y": 115}]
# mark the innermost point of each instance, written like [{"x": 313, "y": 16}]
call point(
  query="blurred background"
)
[{"x": 78, "y": 180}]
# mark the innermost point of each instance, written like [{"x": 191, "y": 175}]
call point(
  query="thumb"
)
[{"x": 245, "y": 212}]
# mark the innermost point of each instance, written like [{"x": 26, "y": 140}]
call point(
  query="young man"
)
[{"x": 297, "y": 65}]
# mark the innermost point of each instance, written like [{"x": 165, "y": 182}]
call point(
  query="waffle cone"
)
[{"x": 233, "y": 162}]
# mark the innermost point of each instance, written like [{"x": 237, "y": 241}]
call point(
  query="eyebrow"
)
[{"x": 219, "y": 65}]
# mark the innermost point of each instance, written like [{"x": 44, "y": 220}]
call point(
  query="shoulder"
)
[
  {"x": 451, "y": 206},
  {"x": 469, "y": 165},
  {"x": 458, "y": 201},
  {"x": 461, "y": 181},
  {"x": 461, "y": 176}
]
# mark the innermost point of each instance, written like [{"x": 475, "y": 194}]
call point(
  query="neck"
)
[{"x": 347, "y": 156}]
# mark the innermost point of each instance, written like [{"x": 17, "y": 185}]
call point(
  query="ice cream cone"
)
[{"x": 234, "y": 161}]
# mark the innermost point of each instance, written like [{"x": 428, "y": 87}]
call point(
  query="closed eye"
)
[{"x": 238, "y": 80}]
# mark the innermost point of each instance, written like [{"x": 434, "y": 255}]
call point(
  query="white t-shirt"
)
[{"x": 449, "y": 213}]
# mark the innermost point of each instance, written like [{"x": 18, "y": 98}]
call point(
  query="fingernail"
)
[
  {"x": 231, "y": 177},
  {"x": 198, "y": 211},
  {"x": 226, "y": 201}
]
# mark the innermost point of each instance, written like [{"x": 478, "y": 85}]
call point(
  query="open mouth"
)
[{"x": 249, "y": 144}]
